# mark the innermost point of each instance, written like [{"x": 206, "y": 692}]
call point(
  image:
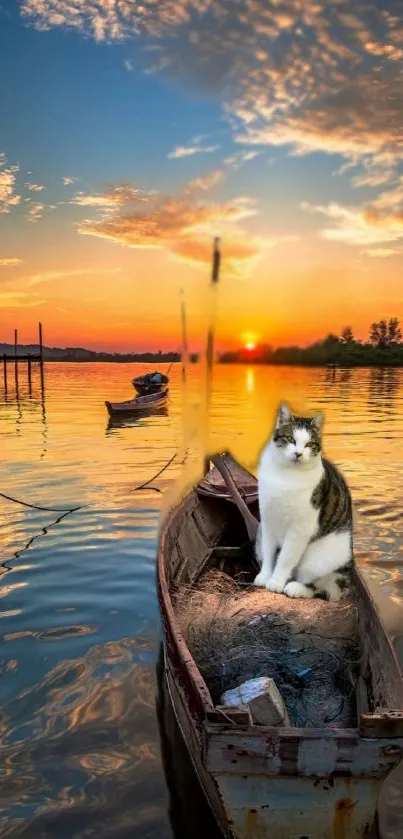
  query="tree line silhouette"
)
[{"x": 384, "y": 347}]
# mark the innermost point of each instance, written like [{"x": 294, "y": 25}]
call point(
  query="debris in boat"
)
[
  {"x": 263, "y": 699},
  {"x": 308, "y": 647}
]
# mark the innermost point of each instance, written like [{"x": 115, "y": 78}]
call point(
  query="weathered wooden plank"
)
[
  {"x": 384, "y": 724},
  {"x": 209, "y": 519},
  {"x": 362, "y": 697},
  {"x": 176, "y": 561},
  {"x": 194, "y": 547},
  {"x": 272, "y": 751},
  {"x": 299, "y": 808},
  {"x": 183, "y": 665}
]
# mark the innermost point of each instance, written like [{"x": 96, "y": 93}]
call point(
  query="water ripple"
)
[{"x": 79, "y": 620}]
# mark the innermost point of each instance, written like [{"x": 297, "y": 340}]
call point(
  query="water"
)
[{"x": 79, "y": 624}]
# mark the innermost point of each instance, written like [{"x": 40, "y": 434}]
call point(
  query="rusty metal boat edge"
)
[{"x": 271, "y": 783}]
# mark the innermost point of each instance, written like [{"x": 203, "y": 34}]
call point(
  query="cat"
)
[{"x": 304, "y": 543}]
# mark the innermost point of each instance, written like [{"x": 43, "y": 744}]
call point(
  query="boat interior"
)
[{"x": 207, "y": 533}]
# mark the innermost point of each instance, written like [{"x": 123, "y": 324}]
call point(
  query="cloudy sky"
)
[{"x": 132, "y": 133}]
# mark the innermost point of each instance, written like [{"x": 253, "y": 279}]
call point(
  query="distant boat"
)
[
  {"x": 150, "y": 383},
  {"x": 139, "y": 405}
]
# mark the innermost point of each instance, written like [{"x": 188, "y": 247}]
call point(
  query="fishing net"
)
[{"x": 309, "y": 647}]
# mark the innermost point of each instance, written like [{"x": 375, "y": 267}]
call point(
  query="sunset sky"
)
[{"x": 132, "y": 133}]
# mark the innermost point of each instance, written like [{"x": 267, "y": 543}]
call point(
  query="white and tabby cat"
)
[{"x": 304, "y": 543}]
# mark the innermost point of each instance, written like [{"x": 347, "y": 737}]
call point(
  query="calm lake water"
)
[{"x": 79, "y": 625}]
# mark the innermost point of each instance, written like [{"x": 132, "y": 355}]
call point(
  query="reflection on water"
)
[
  {"x": 78, "y": 614},
  {"x": 134, "y": 420},
  {"x": 79, "y": 749},
  {"x": 188, "y": 811}
]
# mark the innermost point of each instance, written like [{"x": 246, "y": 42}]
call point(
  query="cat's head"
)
[{"x": 297, "y": 439}]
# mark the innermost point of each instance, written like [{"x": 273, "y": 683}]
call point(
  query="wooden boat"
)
[
  {"x": 146, "y": 384},
  {"x": 139, "y": 405},
  {"x": 263, "y": 782}
]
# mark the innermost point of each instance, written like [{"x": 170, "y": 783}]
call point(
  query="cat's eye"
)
[{"x": 309, "y": 445}]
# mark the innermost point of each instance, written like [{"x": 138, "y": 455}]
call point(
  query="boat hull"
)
[
  {"x": 144, "y": 390},
  {"x": 139, "y": 405},
  {"x": 266, "y": 806},
  {"x": 274, "y": 783}
]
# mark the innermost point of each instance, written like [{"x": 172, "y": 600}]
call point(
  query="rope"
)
[
  {"x": 146, "y": 483},
  {"x": 44, "y": 509}
]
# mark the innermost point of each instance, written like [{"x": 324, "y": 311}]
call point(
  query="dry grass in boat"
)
[{"x": 309, "y": 647}]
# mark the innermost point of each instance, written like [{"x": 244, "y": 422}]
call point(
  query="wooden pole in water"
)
[
  {"x": 210, "y": 340},
  {"x": 5, "y": 372},
  {"x": 15, "y": 359},
  {"x": 29, "y": 375},
  {"x": 40, "y": 342},
  {"x": 41, "y": 360}
]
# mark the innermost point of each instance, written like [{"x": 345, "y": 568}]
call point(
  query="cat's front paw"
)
[
  {"x": 275, "y": 584},
  {"x": 261, "y": 579},
  {"x": 297, "y": 590}
]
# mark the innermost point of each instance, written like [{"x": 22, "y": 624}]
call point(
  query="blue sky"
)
[{"x": 278, "y": 127}]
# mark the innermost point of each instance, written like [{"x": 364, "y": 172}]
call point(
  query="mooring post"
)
[
  {"x": 29, "y": 375},
  {"x": 41, "y": 361},
  {"x": 5, "y": 372},
  {"x": 40, "y": 342},
  {"x": 15, "y": 358}
]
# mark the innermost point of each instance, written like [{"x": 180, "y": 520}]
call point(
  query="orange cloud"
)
[
  {"x": 115, "y": 195},
  {"x": 359, "y": 226},
  {"x": 380, "y": 253},
  {"x": 49, "y": 276},
  {"x": 181, "y": 225},
  {"x": 9, "y": 262},
  {"x": 18, "y": 300}
]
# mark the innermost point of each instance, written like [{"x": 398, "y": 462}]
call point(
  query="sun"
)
[{"x": 249, "y": 341}]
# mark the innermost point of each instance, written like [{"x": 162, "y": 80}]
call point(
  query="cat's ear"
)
[
  {"x": 318, "y": 421},
  {"x": 284, "y": 415}
]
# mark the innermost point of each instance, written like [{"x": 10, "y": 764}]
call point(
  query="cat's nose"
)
[{"x": 298, "y": 455}]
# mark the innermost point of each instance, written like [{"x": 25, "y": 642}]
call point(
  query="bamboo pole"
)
[{"x": 210, "y": 342}]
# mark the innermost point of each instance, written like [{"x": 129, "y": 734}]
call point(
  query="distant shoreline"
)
[
  {"x": 82, "y": 355},
  {"x": 252, "y": 363},
  {"x": 332, "y": 357}
]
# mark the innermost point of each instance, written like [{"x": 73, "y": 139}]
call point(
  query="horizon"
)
[
  {"x": 242, "y": 347},
  {"x": 129, "y": 141}
]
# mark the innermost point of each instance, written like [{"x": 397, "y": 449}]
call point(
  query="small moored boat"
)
[
  {"x": 150, "y": 383},
  {"x": 284, "y": 781},
  {"x": 139, "y": 405}
]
